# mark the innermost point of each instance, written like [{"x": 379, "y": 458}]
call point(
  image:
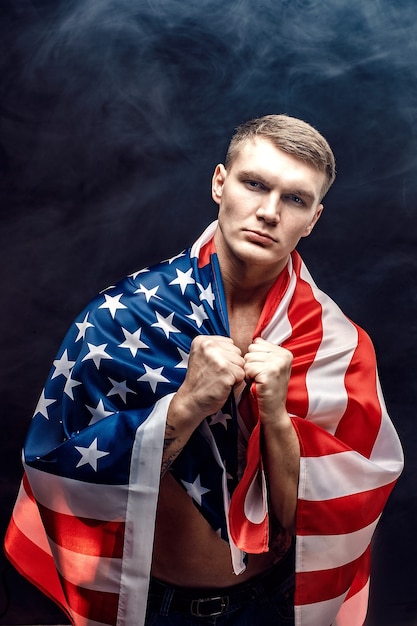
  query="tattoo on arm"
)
[{"x": 171, "y": 448}]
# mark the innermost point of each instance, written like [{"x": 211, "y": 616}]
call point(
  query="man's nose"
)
[{"x": 270, "y": 209}]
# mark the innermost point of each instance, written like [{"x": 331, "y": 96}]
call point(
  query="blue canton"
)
[{"x": 124, "y": 352}]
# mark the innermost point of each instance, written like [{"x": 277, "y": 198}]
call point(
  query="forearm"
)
[
  {"x": 215, "y": 366},
  {"x": 281, "y": 455},
  {"x": 181, "y": 422}
]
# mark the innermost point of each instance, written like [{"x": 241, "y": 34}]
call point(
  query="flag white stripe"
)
[
  {"x": 237, "y": 555},
  {"x": 354, "y": 610},
  {"x": 279, "y": 327},
  {"x": 77, "y": 498},
  {"x": 387, "y": 445},
  {"x": 204, "y": 238},
  {"x": 330, "y": 551},
  {"x": 342, "y": 474},
  {"x": 325, "y": 379},
  {"x": 145, "y": 474},
  {"x": 30, "y": 525},
  {"x": 319, "y": 613},
  {"x": 97, "y": 573}
]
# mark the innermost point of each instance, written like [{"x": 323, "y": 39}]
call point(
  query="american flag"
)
[{"x": 82, "y": 527}]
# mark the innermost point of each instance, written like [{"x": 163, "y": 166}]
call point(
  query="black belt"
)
[{"x": 202, "y": 602}]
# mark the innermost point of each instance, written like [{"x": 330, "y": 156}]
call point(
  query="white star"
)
[
  {"x": 97, "y": 353},
  {"x": 63, "y": 366},
  {"x": 220, "y": 418},
  {"x": 183, "y": 364},
  {"x": 195, "y": 490},
  {"x": 112, "y": 303},
  {"x": 90, "y": 455},
  {"x": 183, "y": 279},
  {"x": 69, "y": 386},
  {"x": 149, "y": 293},
  {"x": 119, "y": 388},
  {"x": 136, "y": 274},
  {"x": 165, "y": 324},
  {"x": 153, "y": 377},
  {"x": 82, "y": 327},
  {"x": 132, "y": 341},
  {"x": 198, "y": 314},
  {"x": 98, "y": 413},
  {"x": 42, "y": 406},
  {"x": 107, "y": 288},
  {"x": 173, "y": 258},
  {"x": 207, "y": 294}
]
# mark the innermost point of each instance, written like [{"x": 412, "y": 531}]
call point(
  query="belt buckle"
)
[{"x": 198, "y": 610}]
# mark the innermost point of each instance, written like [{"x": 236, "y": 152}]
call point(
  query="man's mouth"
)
[{"x": 260, "y": 237}]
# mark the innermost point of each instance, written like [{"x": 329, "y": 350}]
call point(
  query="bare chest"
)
[{"x": 242, "y": 328}]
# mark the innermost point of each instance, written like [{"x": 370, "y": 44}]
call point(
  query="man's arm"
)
[
  {"x": 269, "y": 367},
  {"x": 215, "y": 366}
]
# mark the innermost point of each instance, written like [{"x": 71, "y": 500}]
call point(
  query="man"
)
[{"x": 228, "y": 366}]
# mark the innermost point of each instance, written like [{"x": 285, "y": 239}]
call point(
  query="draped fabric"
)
[{"x": 82, "y": 528}]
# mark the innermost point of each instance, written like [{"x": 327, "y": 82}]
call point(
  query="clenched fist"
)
[
  {"x": 269, "y": 367},
  {"x": 215, "y": 366}
]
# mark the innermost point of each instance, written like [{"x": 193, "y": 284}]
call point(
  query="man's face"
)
[{"x": 268, "y": 199}]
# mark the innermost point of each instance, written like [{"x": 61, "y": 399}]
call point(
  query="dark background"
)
[{"x": 113, "y": 114}]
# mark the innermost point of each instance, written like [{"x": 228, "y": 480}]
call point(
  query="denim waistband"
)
[{"x": 206, "y": 602}]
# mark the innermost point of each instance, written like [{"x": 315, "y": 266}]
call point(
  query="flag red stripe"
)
[
  {"x": 361, "y": 574},
  {"x": 322, "y": 585},
  {"x": 340, "y": 516},
  {"x": 204, "y": 257},
  {"x": 98, "y": 606},
  {"x": 28, "y": 488},
  {"x": 315, "y": 441},
  {"x": 363, "y": 402},
  {"x": 83, "y": 535},
  {"x": 35, "y": 564},
  {"x": 271, "y": 304},
  {"x": 305, "y": 317}
]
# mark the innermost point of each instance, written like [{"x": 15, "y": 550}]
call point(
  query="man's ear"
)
[
  {"x": 314, "y": 221},
  {"x": 217, "y": 183}
]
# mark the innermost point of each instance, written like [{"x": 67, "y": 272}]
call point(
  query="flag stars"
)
[
  {"x": 98, "y": 413},
  {"x": 195, "y": 489},
  {"x": 119, "y": 388},
  {"x": 148, "y": 293},
  {"x": 69, "y": 386},
  {"x": 42, "y": 406},
  {"x": 113, "y": 304},
  {"x": 183, "y": 279},
  {"x": 183, "y": 364},
  {"x": 63, "y": 366},
  {"x": 207, "y": 294},
  {"x": 83, "y": 327},
  {"x": 153, "y": 377},
  {"x": 165, "y": 323},
  {"x": 132, "y": 341},
  {"x": 90, "y": 455},
  {"x": 97, "y": 353},
  {"x": 136, "y": 274},
  {"x": 198, "y": 315},
  {"x": 220, "y": 418},
  {"x": 174, "y": 258}
]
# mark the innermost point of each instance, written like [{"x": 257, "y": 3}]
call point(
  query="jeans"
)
[{"x": 258, "y": 602}]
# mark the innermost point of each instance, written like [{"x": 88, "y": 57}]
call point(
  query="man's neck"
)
[{"x": 246, "y": 286}]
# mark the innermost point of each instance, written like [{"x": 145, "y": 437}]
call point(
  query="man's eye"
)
[
  {"x": 253, "y": 184},
  {"x": 295, "y": 199}
]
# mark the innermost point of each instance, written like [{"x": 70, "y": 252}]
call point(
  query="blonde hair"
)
[{"x": 291, "y": 135}]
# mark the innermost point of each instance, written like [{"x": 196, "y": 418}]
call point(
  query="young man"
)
[{"x": 261, "y": 400}]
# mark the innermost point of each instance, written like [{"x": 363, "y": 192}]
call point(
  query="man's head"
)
[{"x": 290, "y": 135}]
